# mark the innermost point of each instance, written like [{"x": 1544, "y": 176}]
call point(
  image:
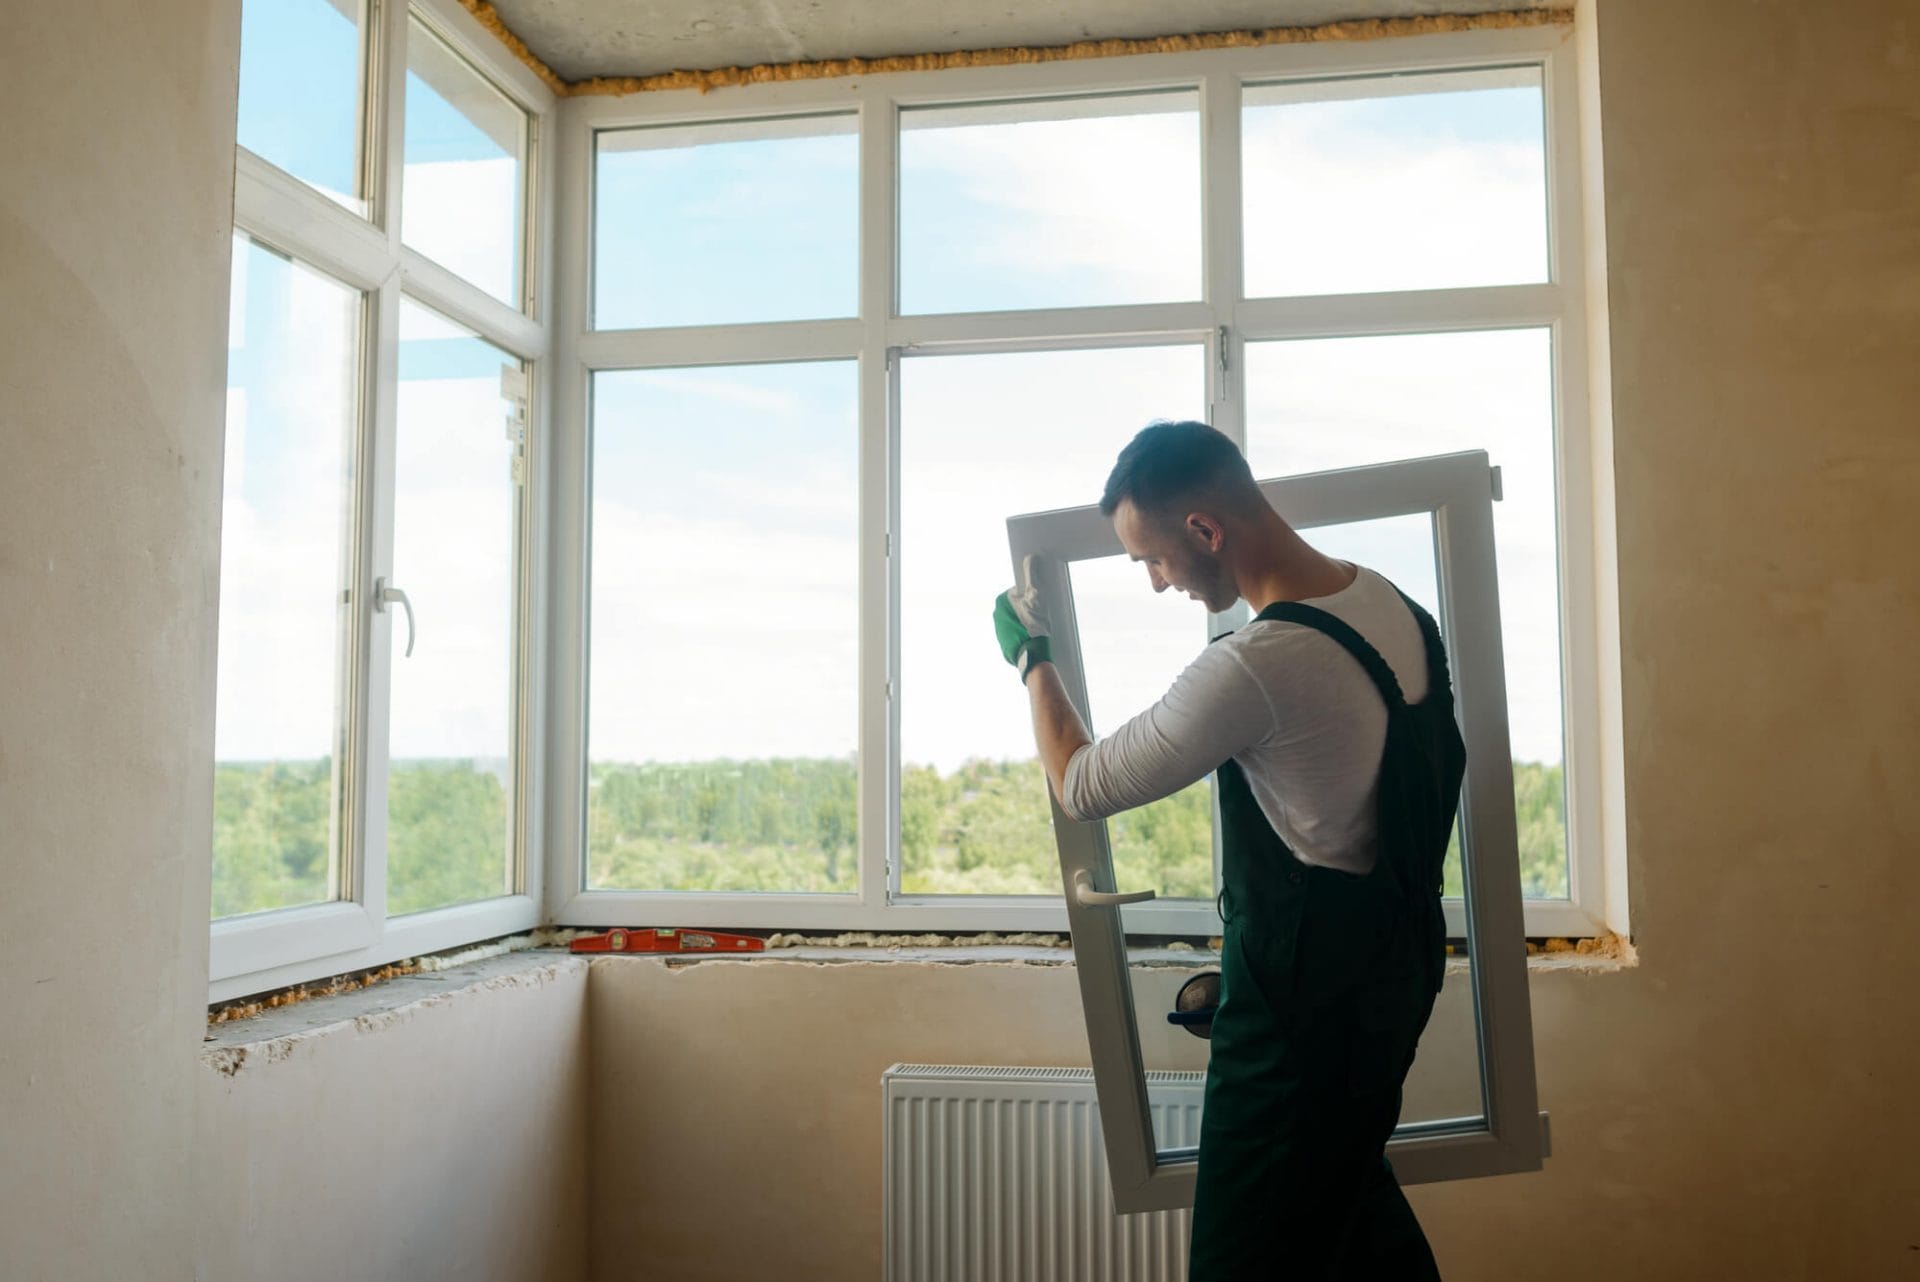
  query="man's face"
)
[{"x": 1177, "y": 555}]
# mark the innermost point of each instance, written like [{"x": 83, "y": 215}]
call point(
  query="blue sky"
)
[{"x": 724, "y": 499}]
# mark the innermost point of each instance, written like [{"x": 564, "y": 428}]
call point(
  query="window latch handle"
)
[
  {"x": 383, "y": 596},
  {"x": 1085, "y": 895}
]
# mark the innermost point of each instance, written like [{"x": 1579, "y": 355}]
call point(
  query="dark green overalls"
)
[{"x": 1327, "y": 980}]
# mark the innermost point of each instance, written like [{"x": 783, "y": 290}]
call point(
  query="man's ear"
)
[{"x": 1205, "y": 531}]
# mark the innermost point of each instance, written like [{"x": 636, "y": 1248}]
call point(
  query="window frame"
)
[
  {"x": 1457, "y": 490},
  {"x": 274, "y": 948},
  {"x": 1222, "y": 320}
]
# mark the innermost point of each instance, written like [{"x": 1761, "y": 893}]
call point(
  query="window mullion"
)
[
  {"x": 373, "y": 639},
  {"x": 387, "y": 122},
  {"x": 1220, "y": 229},
  {"x": 568, "y": 451},
  {"x": 879, "y": 776}
]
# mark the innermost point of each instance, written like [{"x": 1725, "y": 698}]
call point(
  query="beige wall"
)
[
  {"x": 442, "y": 1140},
  {"x": 737, "y": 1104},
  {"x": 116, "y": 168},
  {"x": 1741, "y": 1104}
]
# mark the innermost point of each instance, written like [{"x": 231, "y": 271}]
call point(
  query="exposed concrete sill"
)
[
  {"x": 1576, "y": 963},
  {"x": 928, "y": 954},
  {"x": 273, "y": 1034},
  {"x": 1027, "y": 955}
]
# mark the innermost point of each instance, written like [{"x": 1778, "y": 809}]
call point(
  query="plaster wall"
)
[
  {"x": 116, "y": 171},
  {"x": 737, "y": 1112},
  {"x": 444, "y": 1139},
  {"x": 1741, "y": 1104}
]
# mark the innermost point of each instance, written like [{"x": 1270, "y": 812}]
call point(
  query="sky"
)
[{"x": 724, "y": 564}]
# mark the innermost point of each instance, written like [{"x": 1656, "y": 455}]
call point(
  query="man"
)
[{"x": 1329, "y": 718}]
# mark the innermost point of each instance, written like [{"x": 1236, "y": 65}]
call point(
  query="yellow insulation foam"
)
[{"x": 770, "y": 73}]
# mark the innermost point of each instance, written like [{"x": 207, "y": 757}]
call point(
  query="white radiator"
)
[{"x": 999, "y": 1175}]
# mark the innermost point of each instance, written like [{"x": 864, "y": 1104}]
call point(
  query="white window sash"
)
[
  {"x": 261, "y": 951},
  {"x": 1457, "y": 490}
]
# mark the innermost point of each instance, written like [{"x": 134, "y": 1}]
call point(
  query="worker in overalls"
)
[{"x": 1329, "y": 719}]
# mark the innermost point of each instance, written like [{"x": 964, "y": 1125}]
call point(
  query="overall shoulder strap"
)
[
  {"x": 1352, "y": 642},
  {"x": 1439, "y": 679}
]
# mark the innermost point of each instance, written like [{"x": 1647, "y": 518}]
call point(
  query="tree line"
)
[{"x": 788, "y": 825}]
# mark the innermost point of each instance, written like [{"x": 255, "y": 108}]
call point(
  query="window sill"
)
[{"x": 273, "y": 1034}]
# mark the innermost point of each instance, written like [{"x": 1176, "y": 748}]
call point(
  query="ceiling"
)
[{"x": 584, "y": 38}]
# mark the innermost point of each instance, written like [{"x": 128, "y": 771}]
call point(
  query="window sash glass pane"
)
[
  {"x": 1329, "y": 403},
  {"x": 727, "y": 223},
  {"x": 463, "y": 191},
  {"x": 1417, "y": 181},
  {"x": 293, "y": 398},
  {"x": 451, "y": 772},
  {"x": 1074, "y": 202},
  {"x": 301, "y": 89},
  {"x": 1133, "y": 644},
  {"x": 724, "y": 582},
  {"x": 983, "y": 438}
]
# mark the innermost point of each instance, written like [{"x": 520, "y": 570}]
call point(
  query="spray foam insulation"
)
[{"x": 770, "y": 73}]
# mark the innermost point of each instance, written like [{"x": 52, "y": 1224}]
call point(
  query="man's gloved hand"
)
[{"x": 1020, "y": 621}]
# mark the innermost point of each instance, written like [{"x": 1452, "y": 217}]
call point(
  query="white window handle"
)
[
  {"x": 1084, "y": 893},
  {"x": 383, "y": 596}
]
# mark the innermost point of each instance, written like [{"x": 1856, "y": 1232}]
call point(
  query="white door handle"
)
[
  {"x": 1085, "y": 894},
  {"x": 383, "y": 596}
]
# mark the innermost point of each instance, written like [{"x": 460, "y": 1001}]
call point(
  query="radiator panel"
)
[{"x": 1000, "y": 1175}]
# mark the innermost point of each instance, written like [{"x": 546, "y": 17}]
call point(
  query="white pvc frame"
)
[
  {"x": 1457, "y": 490},
  {"x": 272, "y": 949},
  {"x": 1222, "y": 320}
]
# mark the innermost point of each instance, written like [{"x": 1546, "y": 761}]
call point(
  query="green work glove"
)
[{"x": 1020, "y": 621}]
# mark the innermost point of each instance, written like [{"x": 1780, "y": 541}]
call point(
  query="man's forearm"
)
[{"x": 1057, "y": 727}]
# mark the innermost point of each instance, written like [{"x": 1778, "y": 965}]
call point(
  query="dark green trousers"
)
[{"x": 1310, "y": 1047}]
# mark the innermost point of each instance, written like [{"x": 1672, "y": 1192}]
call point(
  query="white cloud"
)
[
  {"x": 1117, "y": 199},
  {"x": 719, "y": 636},
  {"x": 464, "y": 215},
  {"x": 1333, "y": 210}
]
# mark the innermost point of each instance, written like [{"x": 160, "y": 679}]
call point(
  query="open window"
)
[{"x": 1470, "y": 1106}]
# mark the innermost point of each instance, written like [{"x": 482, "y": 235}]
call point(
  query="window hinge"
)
[
  {"x": 1498, "y": 489},
  {"x": 886, "y": 544}
]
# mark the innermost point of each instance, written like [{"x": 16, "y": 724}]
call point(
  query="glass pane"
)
[
  {"x": 983, "y": 438},
  {"x": 755, "y": 220},
  {"x": 1327, "y": 403},
  {"x": 723, "y": 709},
  {"x": 450, "y": 768},
  {"x": 1426, "y": 181},
  {"x": 1062, "y": 203},
  {"x": 1133, "y": 643},
  {"x": 1444, "y": 1084},
  {"x": 293, "y": 379},
  {"x": 300, "y": 91},
  {"x": 463, "y": 198}
]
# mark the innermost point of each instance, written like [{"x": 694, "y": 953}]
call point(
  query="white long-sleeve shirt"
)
[{"x": 1298, "y": 713}]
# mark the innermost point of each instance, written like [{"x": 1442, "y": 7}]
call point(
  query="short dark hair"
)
[{"x": 1168, "y": 462}]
